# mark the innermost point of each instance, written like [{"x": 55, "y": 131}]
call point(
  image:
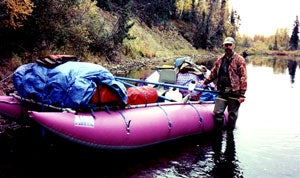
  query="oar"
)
[
  {"x": 164, "y": 67},
  {"x": 43, "y": 104},
  {"x": 162, "y": 84}
]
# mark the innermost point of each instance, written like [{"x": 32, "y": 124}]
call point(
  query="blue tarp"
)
[
  {"x": 208, "y": 96},
  {"x": 71, "y": 84}
]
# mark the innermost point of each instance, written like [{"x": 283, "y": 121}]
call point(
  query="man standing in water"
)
[
  {"x": 292, "y": 66},
  {"x": 230, "y": 76}
]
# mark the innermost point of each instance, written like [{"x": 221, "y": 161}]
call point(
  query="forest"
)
[{"x": 113, "y": 30}]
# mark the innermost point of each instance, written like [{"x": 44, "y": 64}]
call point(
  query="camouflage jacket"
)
[{"x": 237, "y": 73}]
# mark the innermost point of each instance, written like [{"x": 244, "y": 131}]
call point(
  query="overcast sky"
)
[{"x": 264, "y": 17}]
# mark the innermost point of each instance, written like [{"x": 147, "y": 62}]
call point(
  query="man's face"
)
[{"x": 228, "y": 48}]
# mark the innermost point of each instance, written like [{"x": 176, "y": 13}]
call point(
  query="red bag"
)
[
  {"x": 104, "y": 94},
  {"x": 141, "y": 95}
]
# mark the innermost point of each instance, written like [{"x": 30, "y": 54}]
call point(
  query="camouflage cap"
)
[{"x": 229, "y": 40}]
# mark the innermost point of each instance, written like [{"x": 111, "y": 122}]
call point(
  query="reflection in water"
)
[
  {"x": 277, "y": 63},
  {"x": 292, "y": 66},
  {"x": 226, "y": 163}
]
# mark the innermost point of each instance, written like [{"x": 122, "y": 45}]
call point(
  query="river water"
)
[{"x": 265, "y": 143}]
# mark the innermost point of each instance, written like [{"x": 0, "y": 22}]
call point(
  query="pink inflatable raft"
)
[{"x": 132, "y": 127}]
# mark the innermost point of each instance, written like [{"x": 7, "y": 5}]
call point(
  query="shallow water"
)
[
  {"x": 266, "y": 143},
  {"x": 268, "y": 129}
]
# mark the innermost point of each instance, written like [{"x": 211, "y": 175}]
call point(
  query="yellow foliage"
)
[
  {"x": 184, "y": 6},
  {"x": 16, "y": 11}
]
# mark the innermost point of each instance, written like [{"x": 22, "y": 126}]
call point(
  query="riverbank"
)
[
  {"x": 125, "y": 66},
  {"x": 121, "y": 68}
]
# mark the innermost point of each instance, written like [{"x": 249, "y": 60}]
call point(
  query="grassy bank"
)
[{"x": 147, "y": 45}]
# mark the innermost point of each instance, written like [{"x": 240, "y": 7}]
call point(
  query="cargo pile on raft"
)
[{"x": 84, "y": 103}]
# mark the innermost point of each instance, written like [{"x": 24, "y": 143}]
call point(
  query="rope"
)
[
  {"x": 169, "y": 120},
  {"x": 7, "y": 77}
]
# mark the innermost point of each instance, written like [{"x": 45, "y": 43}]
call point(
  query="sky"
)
[{"x": 264, "y": 17}]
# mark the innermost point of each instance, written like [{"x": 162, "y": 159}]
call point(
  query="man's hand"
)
[{"x": 241, "y": 99}]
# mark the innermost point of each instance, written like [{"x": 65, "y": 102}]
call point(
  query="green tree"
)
[
  {"x": 67, "y": 26},
  {"x": 220, "y": 31},
  {"x": 275, "y": 47},
  {"x": 200, "y": 36},
  {"x": 282, "y": 38},
  {"x": 234, "y": 26},
  {"x": 112, "y": 43},
  {"x": 154, "y": 12},
  {"x": 214, "y": 23},
  {"x": 295, "y": 38},
  {"x": 245, "y": 41},
  {"x": 120, "y": 31}
]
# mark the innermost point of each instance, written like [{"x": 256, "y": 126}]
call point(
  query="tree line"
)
[{"x": 79, "y": 26}]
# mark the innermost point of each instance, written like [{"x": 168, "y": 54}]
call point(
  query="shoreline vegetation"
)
[
  {"x": 150, "y": 46},
  {"x": 122, "y": 36},
  {"x": 123, "y": 67}
]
